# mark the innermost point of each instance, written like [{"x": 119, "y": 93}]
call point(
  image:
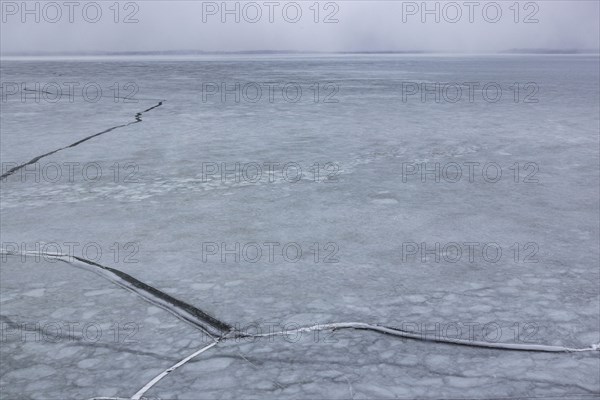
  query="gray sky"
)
[{"x": 361, "y": 25}]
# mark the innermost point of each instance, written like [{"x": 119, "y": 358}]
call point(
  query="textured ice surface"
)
[
  {"x": 368, "y": 212},
  {"x": 66, "y": 333}
]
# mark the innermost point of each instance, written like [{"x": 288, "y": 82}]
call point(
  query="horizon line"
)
[{"x": 259, "y": 52}]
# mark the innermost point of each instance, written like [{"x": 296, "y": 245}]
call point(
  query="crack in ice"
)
[
  {"x": 137, "y": 116},
  {"x": 411, "y": 335},
  {"x": 363, "y": 326},
  {"x": 221, "y": 331},
  {"x": 182, "y": 310}
]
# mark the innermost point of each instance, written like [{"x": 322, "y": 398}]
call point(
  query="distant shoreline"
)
[{"x": 287, "y": 52}]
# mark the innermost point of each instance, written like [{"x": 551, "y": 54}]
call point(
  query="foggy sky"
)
[{"x": 361, "y": 25}]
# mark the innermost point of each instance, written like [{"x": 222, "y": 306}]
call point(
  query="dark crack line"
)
[
  {"x": 176, "y": 303},
  {"x": 137, "y": 116},
  {"x": 182, "y": 310}
]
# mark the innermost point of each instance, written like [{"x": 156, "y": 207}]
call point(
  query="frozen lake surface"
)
[{"x": 358, "y": 182}]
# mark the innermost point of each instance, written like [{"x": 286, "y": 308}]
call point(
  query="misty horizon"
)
[
  {"x": 343, "y": 26},
  {"x": 184, "y": 52}
]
